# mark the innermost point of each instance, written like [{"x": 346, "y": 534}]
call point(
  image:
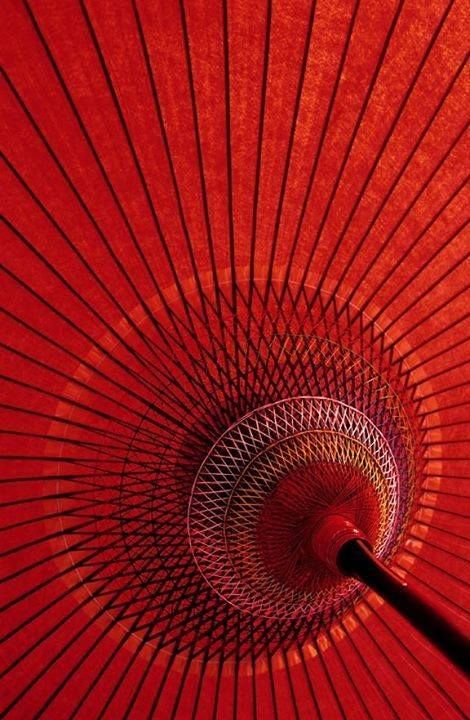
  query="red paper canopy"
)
[{"x": 226, "y": 222}]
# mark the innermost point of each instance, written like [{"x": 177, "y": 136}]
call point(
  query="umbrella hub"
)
[{"x": 280, "y": 475}]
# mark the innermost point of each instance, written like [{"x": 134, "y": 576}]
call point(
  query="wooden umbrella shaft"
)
[{"x": 355, "y": 558}]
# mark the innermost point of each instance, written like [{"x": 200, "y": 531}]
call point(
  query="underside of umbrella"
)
[{"x": 234, "y": 359}]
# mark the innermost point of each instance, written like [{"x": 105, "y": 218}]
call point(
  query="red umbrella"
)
[{"x": 233, "y": 359}]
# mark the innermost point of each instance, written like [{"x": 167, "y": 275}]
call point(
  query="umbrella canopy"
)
[{"x": 234, "y": 267}]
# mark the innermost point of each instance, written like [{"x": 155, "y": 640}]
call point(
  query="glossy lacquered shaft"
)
[{"x": 355, "y": 558}]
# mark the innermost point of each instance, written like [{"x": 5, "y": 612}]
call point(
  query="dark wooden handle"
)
[{"x": 356, "y": 559}]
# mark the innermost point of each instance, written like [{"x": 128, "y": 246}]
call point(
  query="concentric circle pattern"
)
[
  {"x": 249, "y": 463},
  {"x": 233, "y": 294},
  {"x": 133, "y": 520}
]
